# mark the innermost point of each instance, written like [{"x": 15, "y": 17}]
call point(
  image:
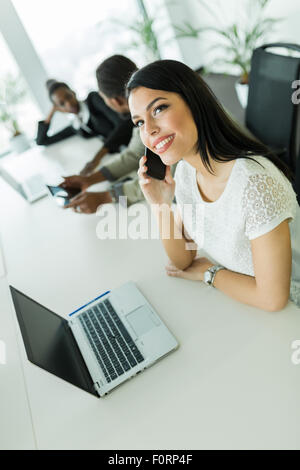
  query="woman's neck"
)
[{"x": 220, "y": 171}]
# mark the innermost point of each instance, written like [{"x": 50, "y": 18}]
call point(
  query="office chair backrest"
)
[{"x": 271, "y": 115}]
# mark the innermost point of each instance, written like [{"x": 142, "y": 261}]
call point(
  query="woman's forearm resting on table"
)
[
  {"x": 241, "y": 287},
  {"x": 171, "y": 234},
  {"x": 268, "y": 289},
  {"x": 247, "y": 290}
]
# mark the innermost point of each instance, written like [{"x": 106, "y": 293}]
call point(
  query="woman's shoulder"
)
[
  {"x": 93, "y": 96},
  {"x": 267, "y": 190},
  {"x": 260, "y": 169},
  {"x": 258, "y": 165},
  {"x": 94, "y": 102}
]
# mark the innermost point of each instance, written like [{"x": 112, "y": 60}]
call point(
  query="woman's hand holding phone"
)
[{"x": 156, "y": 191}]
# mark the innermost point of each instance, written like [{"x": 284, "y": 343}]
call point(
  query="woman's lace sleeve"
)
[{"x": 266, "y": 203}]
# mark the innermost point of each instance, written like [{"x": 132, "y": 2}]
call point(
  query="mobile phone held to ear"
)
[{"x": 156, "y": 168}]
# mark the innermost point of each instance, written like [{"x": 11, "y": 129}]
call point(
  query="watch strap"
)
[
  {"x": 213, "y": 270},
  {"x": 113, "y": 195}
]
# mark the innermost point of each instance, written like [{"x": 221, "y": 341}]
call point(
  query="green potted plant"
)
[
  {"x": 12, "y": 93},
  {"x": 142, "y": 36},
  {"x": 238, "y": 40}
]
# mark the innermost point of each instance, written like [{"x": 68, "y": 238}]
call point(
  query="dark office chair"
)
[{"x": 271, "y": 114}]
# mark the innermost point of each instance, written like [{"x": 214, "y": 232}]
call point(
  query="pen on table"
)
[{"x": 88, "y": 303}]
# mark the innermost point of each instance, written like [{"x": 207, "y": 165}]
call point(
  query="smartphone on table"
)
[
  {"x": 61, "y": 195},
  {"x": 156, "y": 168}
]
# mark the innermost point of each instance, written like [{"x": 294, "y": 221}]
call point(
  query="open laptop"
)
[
  {"x": 28, "y": 172},
  {"x": 104, "y": 345},
  {"x": 31, "y": 188}
]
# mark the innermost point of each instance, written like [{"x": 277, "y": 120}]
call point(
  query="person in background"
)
[
  {"x": 90, "y": 118},
  {"x": 112, "y": 76},
  {"x": 235, "y": 201}
]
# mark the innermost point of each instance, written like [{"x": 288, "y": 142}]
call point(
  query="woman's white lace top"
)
[{"x": 256, "y": 199}]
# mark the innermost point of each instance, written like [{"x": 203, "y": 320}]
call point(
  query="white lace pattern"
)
[
  {"x": 256, "y": 199},
  {"x": 265, "y": 201}
]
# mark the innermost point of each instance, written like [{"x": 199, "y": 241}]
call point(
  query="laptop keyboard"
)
[{"x": 113, "y": 346}]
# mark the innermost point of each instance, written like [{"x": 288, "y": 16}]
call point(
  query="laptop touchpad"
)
[{"x": 141, "y": 320}]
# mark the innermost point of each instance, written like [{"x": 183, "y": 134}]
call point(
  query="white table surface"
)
[
  {"x": 230, "y": 385},
  {"x": 16, "y": 423}
]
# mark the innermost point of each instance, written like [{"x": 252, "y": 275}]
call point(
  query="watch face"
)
[{"x": 207, "y": 277}]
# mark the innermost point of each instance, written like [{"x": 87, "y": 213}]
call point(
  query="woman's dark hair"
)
[
  {"x": 113, "y": 75},
  {"x": 218, "y": 135},
  {"x": 52, "y": 85}
]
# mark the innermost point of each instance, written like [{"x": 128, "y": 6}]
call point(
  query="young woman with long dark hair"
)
[{"x": 235, "y": 201}]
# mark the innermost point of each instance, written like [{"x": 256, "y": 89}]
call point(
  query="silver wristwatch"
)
[
  {"x": 113, "y": 195},
  {"x": 209, "y": 275}
]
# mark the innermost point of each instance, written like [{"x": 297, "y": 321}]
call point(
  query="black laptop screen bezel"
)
[{"x": 85, "y": 381}]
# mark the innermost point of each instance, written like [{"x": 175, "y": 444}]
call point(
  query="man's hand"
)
[
  {"x": 195, "y": 272},
  {"x": 88, "y": 203},
  {"x": 82, "y": 182},
  {"x": 76, "y": 181}
]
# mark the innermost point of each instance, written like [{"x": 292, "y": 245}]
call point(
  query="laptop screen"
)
[{"x": 49, "y": 342}]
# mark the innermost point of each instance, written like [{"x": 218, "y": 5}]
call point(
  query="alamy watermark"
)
[
  {"x": 2, "y": 353},
  {"x": 296, "y": 94},
  {"x": 295, "y": 357},
  {"x": 137, "y": 222}
]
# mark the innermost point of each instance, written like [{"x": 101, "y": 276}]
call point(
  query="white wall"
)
[
  {"x": 289, "y": 10},
  {"x": 195, "y": 51},
  {"x": 192, "y": 50}
]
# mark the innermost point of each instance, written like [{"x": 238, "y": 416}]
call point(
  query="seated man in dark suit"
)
[{"x": 90, "y": 117}]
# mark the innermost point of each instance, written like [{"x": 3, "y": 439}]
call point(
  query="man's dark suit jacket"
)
[{"x": 115, "y": 129}]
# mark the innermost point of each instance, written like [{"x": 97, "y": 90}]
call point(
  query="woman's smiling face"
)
[{"x": 166, "y": 123}]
